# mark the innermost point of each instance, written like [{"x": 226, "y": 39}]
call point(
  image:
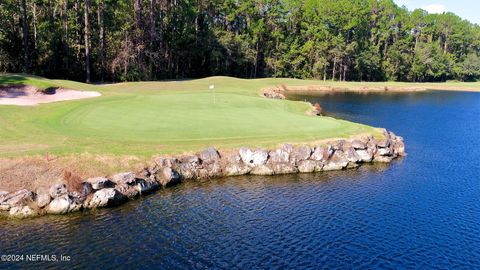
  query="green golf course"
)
[{"x": 149, "y": 118}]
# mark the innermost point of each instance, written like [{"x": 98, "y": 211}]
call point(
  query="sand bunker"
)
[{"x": 22, "y": 95}]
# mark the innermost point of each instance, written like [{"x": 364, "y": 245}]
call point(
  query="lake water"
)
[{"x": 422, "y": 211}]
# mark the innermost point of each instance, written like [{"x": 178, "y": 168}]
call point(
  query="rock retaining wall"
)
[
  {"x": 346, "y": 88},
  {"x": 273, "y": 93},
  {"x": 167, "y": 171}
]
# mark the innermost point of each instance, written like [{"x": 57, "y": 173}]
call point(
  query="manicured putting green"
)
[{"x": 145, "y": 119}]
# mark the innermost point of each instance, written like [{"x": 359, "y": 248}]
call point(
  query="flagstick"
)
[{"x": 212, "y": 86}]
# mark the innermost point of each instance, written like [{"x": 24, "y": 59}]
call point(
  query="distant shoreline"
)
[{"x": 367, "y": 88}]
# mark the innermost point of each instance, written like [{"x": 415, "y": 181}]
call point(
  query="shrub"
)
[{"x": 73, "y": 181}]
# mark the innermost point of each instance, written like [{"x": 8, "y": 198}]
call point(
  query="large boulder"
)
[
  {"x": 352, "y": 155},
  {"x": 338, "y": 144},
  {"x": 300, "y": 153},
  {"x": 104, "y": 198},
  {"x": 372, "y": 145},
  {"x": 383, "y": 142},
  {"x": 365, "y": 155},
  {"x": 211, "y": 170},
  {"x": 359, "y": 145},
  {"x": 307, "y": 166},
  {"x": 20, "y": 198},
  {"x": 383, "y": 151},
  {"x": 187, "y": 170},
  {"x": 100, "y": 183},
  {"x": 279, "y": 160},
  {"x": 165, "y": 162},
  {"x": 391, "y": 135},
  {"x": 230, "y": 158},
  {"x": 128, "y": 191},
  {"x": 188, "y": 167},
  {"x": 168, "y": 177},
  {"x": 260, "y": 157},
  {"x": 3, "y": 196},
  {"x": 283, "y": 168},
  {"x": 58, "y": 190},
  {"x": 146, "y": 186},
  {"x": 246, "y": 155},
  {"x": 383, "y": 159},
  {"x": 287, "y": 148},
  {"x": 319, "y": 165},
  {"x": 262, "y": 170},
  {"x": 86, "y": 188},
  {"x": 279, "y": 156},
  {"x": 338, "y": 161},
  {"x": 399, "y": 146},
  {"x": 42, "y": 198},
  {"x": 253, "y": 158},
  {"x": 77, "y": 199},
  {"x": 322, "y": 153},
  {"x": 22, "y": 212},
  {"x": 145, "y": 173},
  {"x": 192, "y": 160},
  {"x": 236, "y": 168},
  {"x": 127, "y": 178},
  {"x": 385, "y": 148},
  {"x": 209, "y": 156},
  {"x": 60, "y": 205}
]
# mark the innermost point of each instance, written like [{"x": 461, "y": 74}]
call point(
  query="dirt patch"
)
[
  {"x": 23, "y": 95},
  {"x": 36, "y": 172}
]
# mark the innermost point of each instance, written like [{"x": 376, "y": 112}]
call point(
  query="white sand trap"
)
[{"x": 21, "y": 95}]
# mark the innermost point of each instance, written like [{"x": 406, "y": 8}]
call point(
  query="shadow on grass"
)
[
  {"x": 10, "y": 79},
  {"x": 13, "y": 85}
]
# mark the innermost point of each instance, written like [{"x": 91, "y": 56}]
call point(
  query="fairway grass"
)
[{"x": 151, "y": 118}]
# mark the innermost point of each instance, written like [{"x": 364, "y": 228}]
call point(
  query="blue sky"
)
[{"x": 467, "y": 9}]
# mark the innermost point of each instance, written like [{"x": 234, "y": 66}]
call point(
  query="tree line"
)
[{"x": 110, "y": 40}]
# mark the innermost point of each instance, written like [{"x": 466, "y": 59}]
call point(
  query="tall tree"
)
[
  {"x": 87, "y": 40},
  {"x": 139, "y": 45},
  {"x": 25, "y": 35},
  {"x": 65, "y": 34},
  {"x": 101, "y": 36},
  {"x": 167, "y": 39}
]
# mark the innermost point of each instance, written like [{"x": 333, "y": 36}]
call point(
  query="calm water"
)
[{"x": 420, "y": 212}]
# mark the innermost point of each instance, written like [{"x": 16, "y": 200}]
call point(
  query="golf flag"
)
[{"x": 212, "y": 87}]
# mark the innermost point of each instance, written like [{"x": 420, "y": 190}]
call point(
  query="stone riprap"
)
[
  {"x": 101, "y": 192},
  {"x": 273, "y": 93}
]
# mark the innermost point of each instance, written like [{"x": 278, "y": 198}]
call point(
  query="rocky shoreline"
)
[
  {"x": 279, "y": 92},
  {"x": 164, "y": 172}
]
